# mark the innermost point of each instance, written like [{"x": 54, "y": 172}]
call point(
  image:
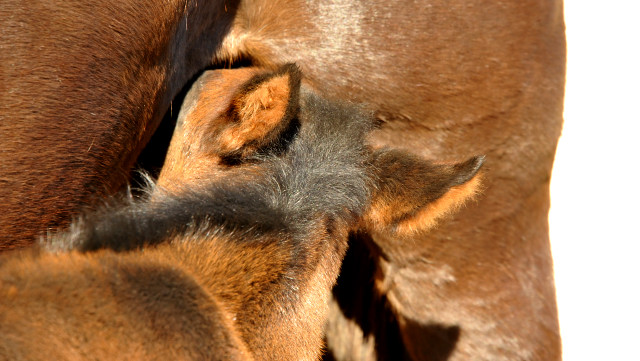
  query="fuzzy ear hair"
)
[
  {"x": 412, "y": 194},
  {"x": 261, "y": 112},
  {"x": 229, "y": 114}
]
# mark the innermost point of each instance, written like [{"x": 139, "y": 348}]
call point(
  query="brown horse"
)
[
  {"x": 83, "y": 87},
  {"x": 235, "y": 252}
]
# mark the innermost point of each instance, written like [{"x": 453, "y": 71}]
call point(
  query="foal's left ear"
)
[
  {"x": 261, "y": 111},
  {"x": 228, "y": 115},
  {"x": 412, "y": 194}
]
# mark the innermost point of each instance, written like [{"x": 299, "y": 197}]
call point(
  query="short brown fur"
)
[
  {"x": 209, "y": 289},
  {"x": 83, "y": 87}
]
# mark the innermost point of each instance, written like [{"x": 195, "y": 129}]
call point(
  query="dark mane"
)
[{"x": 321, "y": 171}]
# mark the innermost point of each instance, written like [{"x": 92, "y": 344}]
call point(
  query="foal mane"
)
[{"x": 321, "y": 171}]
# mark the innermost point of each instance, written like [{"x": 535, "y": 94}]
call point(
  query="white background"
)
[{"x": 595, "y": 188}]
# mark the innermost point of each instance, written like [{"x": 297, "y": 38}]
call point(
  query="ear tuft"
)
[
  {"x": 412, "y": 194},
  {"x": 227, "y": 116},
  {"x": 261, "y": 111}
]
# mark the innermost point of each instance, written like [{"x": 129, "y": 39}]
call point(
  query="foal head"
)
[
  {"x": 263, "y": 182},
  {"x": 235, "y": 124}
]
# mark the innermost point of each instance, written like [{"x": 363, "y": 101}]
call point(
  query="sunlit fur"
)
[
  {"x": 237, "y": 265},
  {"x": 85, "y": 85}
]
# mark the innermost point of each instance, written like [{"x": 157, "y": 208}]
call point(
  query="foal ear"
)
[
  {"x": 226, "y": 116},
  {"x": 260, "y": 112},
  {"x": 412, "y": 194}
]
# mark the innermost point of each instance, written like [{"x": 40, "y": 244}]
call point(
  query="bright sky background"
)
[{"x": 595, "y": 189}]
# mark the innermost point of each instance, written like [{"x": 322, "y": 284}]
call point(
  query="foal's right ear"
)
[{"x": 412, "y": 194}]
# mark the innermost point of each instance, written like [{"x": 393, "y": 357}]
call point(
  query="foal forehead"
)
[{"x": 334, "y": 119}]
